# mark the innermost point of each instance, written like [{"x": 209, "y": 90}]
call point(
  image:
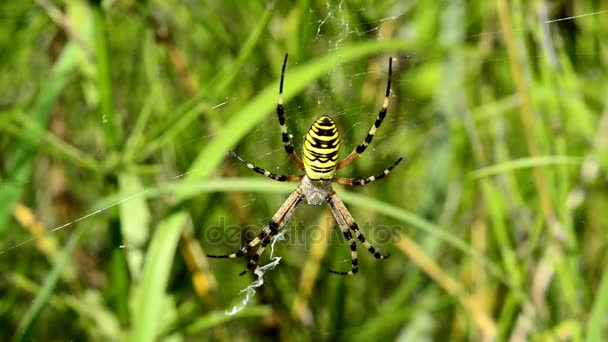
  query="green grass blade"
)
[
  {"x": 19, "y": 166},
  {"x": 148, "y": 308},
  {"x": 224, "y": 80},
  {"x": 47, "y": 289},
  {"x": 104, "y": 84},
  {"x": 219, "y": 317},
  {"x": 597, "y": 321},
  {"x": 134, "y": 223},
  {"x": 524, "y": 163}
]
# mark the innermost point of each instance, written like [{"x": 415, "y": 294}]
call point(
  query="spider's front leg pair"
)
[{"x": 289, "y": 148}]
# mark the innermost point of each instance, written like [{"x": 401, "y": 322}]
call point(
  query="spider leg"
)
[
  {"x": 344, "y": 217},
  {"x": 280, "y": 178},
  {"x": 254, "y": 259},
  {"x": 281, "y": 115},
  {"x": 291, "y": 204},
  {"x": 368, "y": 139},
  {"x": 272, "y": 225},
  {"x": 275, "y": 224},
  {"x": 373, "y": 251},
  {"x": 347, "y": 235},
  {"x": 364, "y": 181}
]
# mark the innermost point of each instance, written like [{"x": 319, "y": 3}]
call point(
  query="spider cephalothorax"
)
[{"x": 320, "y": 163}]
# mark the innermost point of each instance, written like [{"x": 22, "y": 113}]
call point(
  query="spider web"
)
[
  {"x": 302, "y": 117},
  {"x": 259, "y": 272},
  {"x": 333, "y": 42}
]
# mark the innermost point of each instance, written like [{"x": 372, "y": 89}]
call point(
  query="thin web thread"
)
[{"x": 259, "y": 272}]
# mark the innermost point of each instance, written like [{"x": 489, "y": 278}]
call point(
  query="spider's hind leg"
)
[
  {"x": 374, "y": 251},
  {"x": 241, "y": 252},
  {"x": 275, "y": 224},
  {"x": 265, "y": 237},
  {"x": 347, "y": 225},
  {"x": 251, "y": 264},
  {"x": 353, "y": 251}
]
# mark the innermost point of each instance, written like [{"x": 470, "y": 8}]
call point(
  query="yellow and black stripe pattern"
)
[
  {"x": 320, "y": 162},
  {"x": 321, "y": 149}
]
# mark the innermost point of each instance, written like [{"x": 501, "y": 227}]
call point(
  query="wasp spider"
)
[{"x": 320, "y": 162}]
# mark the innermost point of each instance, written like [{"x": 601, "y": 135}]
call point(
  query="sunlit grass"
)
[{"x": 115, "y": 131}]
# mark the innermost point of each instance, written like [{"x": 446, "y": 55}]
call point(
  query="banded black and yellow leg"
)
[
  {"x": 353, "y": 253},
  {"x": 281, "y": 115},
  {"x": 252, "y": 263},
  {"x": 347, "y": 235},
  {"x": 368, "y": 139},
  {"x": 293, "y": 201},
  {"x": 374, "y": 251},
  {"x": 274, "y": 226},
  {"x": 352, "y": 225},
  {"x": 254, "y": 259},
  {"x": 364, "y": 181},
  {"x": 280, "y": 178}
]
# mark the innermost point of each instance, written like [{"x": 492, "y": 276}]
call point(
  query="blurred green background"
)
[{"x": 115, "y": 121}]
